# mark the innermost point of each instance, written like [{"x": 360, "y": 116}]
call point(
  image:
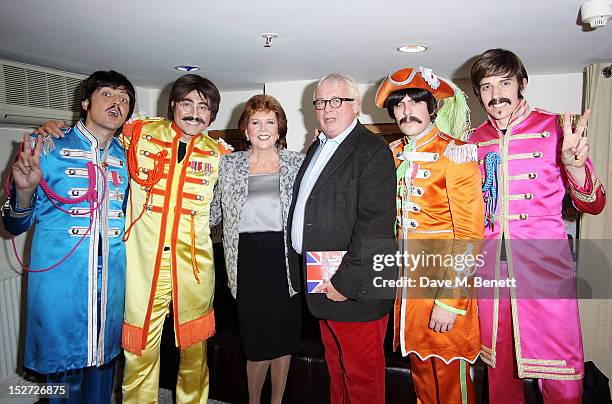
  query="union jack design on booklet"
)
[{"x": 320, "y": 267}]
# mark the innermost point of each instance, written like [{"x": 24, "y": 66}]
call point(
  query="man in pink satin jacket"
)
[{"x": 528, "y": 159}]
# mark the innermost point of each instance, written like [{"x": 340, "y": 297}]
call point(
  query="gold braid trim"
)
[
  {"x": 550, "y": 369},
  {"x": 586, "y": 198},
  {"x": 544, "y": 362},
  {"x": 549, "y": 376}
]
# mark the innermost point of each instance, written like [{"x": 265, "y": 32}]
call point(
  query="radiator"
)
[{"x": 10, "y": 300}]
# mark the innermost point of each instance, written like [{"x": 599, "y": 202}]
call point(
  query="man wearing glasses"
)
[
  {"x": 343, "y": 200},
  {"x": 173, "y": 168}
]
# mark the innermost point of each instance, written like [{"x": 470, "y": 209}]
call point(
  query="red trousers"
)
[
  {"x": 505, "y": 387},
  {"x": 356, "y": 360}
]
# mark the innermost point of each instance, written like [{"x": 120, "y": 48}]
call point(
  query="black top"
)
[{"x": 182, "y": 150}]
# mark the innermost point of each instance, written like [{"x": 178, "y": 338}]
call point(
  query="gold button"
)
[
  {"x": 533, "y": 176},
  {"x": 523, "y": 216},
  {"x": 537, "y": 154},
  {"x": 528, "y": 196}
]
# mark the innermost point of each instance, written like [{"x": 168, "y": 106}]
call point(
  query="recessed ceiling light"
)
[
  {"x": 269, "y": 36},
  {"x": 187, "y": 68},
  {"x": 412, "y": 48}
]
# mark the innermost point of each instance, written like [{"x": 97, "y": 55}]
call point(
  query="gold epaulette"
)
[
  {"x": 225, "y": 145},
  {"x": 463, "y": 153},
  {"x": 136, "y": 117}
]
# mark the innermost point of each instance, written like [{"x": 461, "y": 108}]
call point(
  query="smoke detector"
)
[{"x": 596, "y": 13}]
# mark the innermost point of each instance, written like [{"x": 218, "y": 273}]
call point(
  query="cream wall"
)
[
  {"x": 147, "y": 101},
  {"x": 232, "y": 104}
]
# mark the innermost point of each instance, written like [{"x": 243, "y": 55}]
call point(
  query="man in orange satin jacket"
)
[{"x": 440, "y": 214}]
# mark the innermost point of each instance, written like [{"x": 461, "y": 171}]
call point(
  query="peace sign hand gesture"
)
[
  {"x": 26, "y": 172},
  {"x": 574, "y": 150}
]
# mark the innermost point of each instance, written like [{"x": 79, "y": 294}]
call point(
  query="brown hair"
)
[
  {"x": 110, "y": 79},
  {"x": 265, "y": 103},
  {"x": 190, "y": 82},
  {"x": 497, "y": 62}
]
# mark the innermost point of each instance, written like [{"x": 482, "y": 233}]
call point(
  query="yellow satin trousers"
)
[{"x": 141, "y": 374}]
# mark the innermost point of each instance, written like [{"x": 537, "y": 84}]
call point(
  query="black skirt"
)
[{"x": 269, "y": 319}]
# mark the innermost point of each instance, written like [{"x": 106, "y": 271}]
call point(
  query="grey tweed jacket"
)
[{"x": 230, "y": 196}]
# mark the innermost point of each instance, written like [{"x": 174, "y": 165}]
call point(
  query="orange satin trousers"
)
[{"x": 438, "y": 383}]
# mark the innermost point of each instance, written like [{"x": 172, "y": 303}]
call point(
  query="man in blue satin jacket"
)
[{"x": 73, "y": 191}]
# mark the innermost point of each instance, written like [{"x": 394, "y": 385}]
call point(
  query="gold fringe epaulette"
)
[
  {"x": 225, "y": 145},
  {"x": 461, "y": 153}
]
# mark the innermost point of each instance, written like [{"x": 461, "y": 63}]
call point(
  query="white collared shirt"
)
[{"x": 325, "y": 151}]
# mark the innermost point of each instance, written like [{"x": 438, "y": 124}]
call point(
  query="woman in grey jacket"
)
[{"x": 252, "y": 197}]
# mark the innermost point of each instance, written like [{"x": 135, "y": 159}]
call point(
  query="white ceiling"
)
[{"x": 145, "y": 39}]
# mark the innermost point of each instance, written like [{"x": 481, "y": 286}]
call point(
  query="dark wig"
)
[
  {"x": 110, "y": 79},
  {"x": 190, "y": 82},
  {"x": 415, "y": 94}
]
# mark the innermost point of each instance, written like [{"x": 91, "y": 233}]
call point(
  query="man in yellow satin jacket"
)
[{"x": 173, "y": 169}]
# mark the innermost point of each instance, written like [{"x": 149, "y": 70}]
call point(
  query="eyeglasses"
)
[
  {"x": 335, "y": 102},
  {"x": 188, "y": 106}
]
